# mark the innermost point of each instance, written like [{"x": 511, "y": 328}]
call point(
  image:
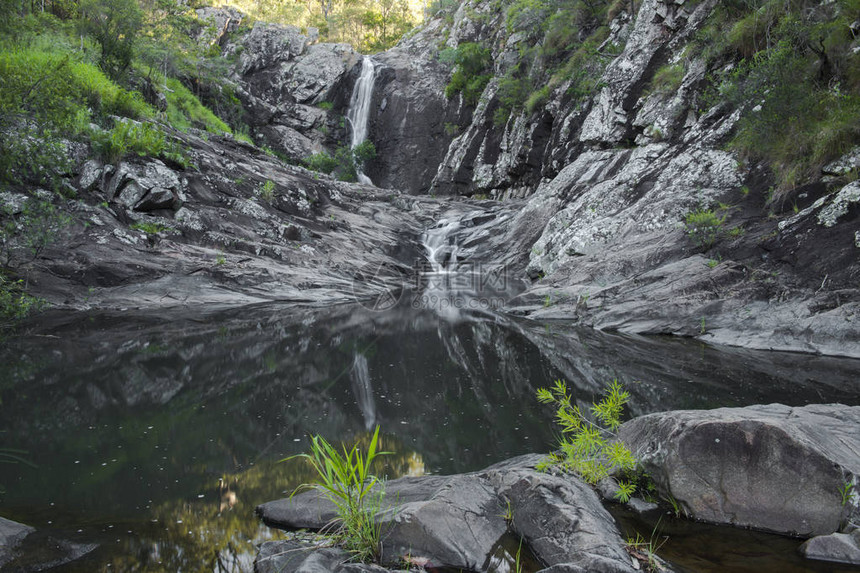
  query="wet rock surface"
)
[
  {"x": 836, "y": 547},
  {"x": 240, "y": 228},
  {"x": 770, "y": 467},
  {"x": 458, "y": 521},
  {"x": 23, "y": 549}
]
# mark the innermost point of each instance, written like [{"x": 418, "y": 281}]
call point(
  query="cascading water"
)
[
  {"x": 459, "y": 277},
  {"x": 446, "y": 289},
  {"x": 359, "y": 108}
]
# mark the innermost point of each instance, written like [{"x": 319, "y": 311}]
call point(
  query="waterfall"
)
[
  {"x": 359, "y": 108},
  {"x": 445, "y": 288},
  {"x": 363, "y": 390}
]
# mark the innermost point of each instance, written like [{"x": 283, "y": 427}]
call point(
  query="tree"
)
[{"x": 114, "y": 25}]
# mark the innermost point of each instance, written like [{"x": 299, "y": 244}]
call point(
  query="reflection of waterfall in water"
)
[
  {"x": 363, "y": 390},
  {"x": 359, "y": 108}
]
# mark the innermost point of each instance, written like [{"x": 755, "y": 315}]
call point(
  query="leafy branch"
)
[{"x": 590, "y": 448}]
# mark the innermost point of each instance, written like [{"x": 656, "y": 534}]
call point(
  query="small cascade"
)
[
  {"x": 359, "y": 108},
  {"x": 457, "y": 279},
  {"x": 441, "y": 247},
  {"x": 363, "y": 390},
  {"x": 446, "y": 289}
]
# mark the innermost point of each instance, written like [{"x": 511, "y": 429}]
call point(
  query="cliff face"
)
[{"x": 618, "y": 198}]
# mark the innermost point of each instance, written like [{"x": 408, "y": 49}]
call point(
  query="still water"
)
[{"x": 149, "y": 440}]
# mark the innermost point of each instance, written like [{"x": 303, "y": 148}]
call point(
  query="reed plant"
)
[{"x": 344, "y": 478}]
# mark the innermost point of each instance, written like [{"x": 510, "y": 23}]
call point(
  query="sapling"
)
[{"x": 587, "y": 447}]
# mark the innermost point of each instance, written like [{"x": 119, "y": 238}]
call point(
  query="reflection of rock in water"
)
[
  {"x": 227, "y": 498},
  {"x": 363, "y": 391}
]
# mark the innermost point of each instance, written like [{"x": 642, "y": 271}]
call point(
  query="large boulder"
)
[
  {"x": 772, "y": 467},
  {"x": 459, "y": 521},
  {"x": 147, "y": 187}
]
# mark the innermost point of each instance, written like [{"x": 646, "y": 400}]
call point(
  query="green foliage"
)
[
  {"x": 184, "y": 110},
  {"x": 344, "y": 478},
  {"x": 129, "y": 137},
  {"x": 537, "y": 99},
  {"x": 114, "y": 25},
  {"x": 645, "y": 550},
  {"x": 798, "y": 83},
  {"x": 267, "y": 190},
  {"x": 23, "y": 236},
  {"x": 586, "y": 447},
  {"x": 704, "y": 227},
  {"x": 149, "y": 228},
  {"x": 322, "y": 162},
  {"x": 847, "y": 493},
  {"x": 667, "y": 79},
  {"x": 345, "y": 162},
  {"x": 364, "y": 152},
  {"x": 470, "y": 75},
  {"x": 15, "y": 303}
]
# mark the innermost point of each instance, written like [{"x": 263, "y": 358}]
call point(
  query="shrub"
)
[
  {"x": 322, "y": 162},
  {"x": 184, "y": 110},
  {"x": 149, "y": 228},
  {"x": 15, "y": 303},
  {"x": 538, "y": 99},
  {"x": 345, "y": 162},
  {"x": 586, "y": 446},
  {"x": 469, "y": 77},
  {"x": 128, "y": 137},
  {"x": 704, "y": 227},
  {"x": 364, "y": 152},
  {"x": 26, "y": 235},
  {"x": 267, "y": 190},
  {"x": 794, "y": 124},
  {"x": 667, "y": 79},
  {"x": 346, "y": 481},
  {"x": 114, "y": 24}
]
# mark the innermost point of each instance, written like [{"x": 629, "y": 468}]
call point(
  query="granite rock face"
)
[{"x": 770, "y": 467}]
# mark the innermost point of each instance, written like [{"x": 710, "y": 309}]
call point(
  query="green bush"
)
[
  {"x": 704, "y": 227},
  {"x": 15, "y": 303},
  {"x": 322, "y": 162},
  {"x": 24, "y": 236},
  {"x": 184, "y": 110},
  {"x": 538, "y": 99},
  {"x": 795, "y": 124},
  {"x": 149, "y": 228},
  {"x": 60, "y": 91},
  {"x": 364, "y": 152},
  {"x": 470, "y": 76},
  {"x": 345, "y": 162},
  {"x": 114, "y": 24},
  {"x": 667, "y": 79},
  {"x": 128, "y": 137},
  {"x": 587, "y": 447}
]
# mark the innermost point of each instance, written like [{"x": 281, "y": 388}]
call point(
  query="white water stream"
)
[{"x": 359, "y": 108}]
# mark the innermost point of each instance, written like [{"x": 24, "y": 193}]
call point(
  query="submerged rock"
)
[
  {"x": 24, "y": 549},
  {"x": 458, "y": 521},
  {"x": 836, "y": 547},
  {"x": 772, "y": 467},
  {"x": 11, "y": 535}
]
